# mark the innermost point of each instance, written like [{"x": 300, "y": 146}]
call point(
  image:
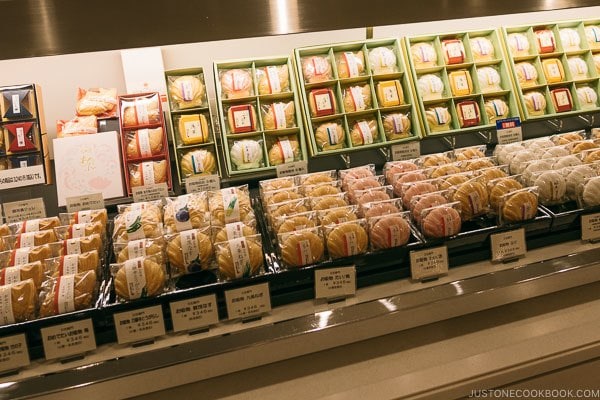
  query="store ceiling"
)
[{"x": 31, "y": 28}]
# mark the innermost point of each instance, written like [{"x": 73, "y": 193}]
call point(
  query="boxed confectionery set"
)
[{"x": 320, "y": 102}]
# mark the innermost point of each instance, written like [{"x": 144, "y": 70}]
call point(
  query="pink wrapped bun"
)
[
  {"x": 429, "y": 201},
  {"x": 398, "y": 168},
  {"x": 378, "y": 210},
  {"x": 441, "y": 222},
  {"x": 416, "y": 189},
  {"x": 409, "y": 177},
  {"x": 361, "y": 184},
  {"x": 390, "y": 232},
  {"x": 372, "y": 195}
]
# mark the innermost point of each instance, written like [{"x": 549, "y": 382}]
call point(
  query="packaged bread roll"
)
[
  {"x": 230, "y": 205},
  {"x": 278, "y": 115},
  {"x": 314, "y": 178},
  {"x": 576, "y": 177},
  {"x": 147, "y": 173},
  {"x": 281, "y": 195},
  {"x": 578, "y": 67},
  {"x": 330, "y": 201},
  {"x": 438, "y": 119},
  {"x": 364, "y": 132},
  {"x": 137, "y": 224},
  {"x": 382, "y": 60},
  {"x": 285, "y": 150},
  {"x": 337, "y": 215},
  {"x": 273, "y": 79},
  {"x": 198, "y": 162},
  {"x": 25, "y": 255},
  {"x": 375, "y": 194},
  {"x": 489, "y": 79},
  {"x": 18, "y": 273},
  {"x": 350, "y": 64},
  {"x": 400, "y": 179},
  {"x": 519, "y": 205},
  {"x": 193, "y": 129},
  {"x": 85, "y": 217},
  {"x": 269, "y": 185},
  {"x": 379, "y": 208},
  {"x": 590, "y": 194},
  {"x": 396, "y": 126},
  {"x": 499, "y": 187},
  {"x": 473, "y": 199},
  {"x": 185, "y": 212},
  {"x": 592, "y": 34},
  {"x": 454, "y": 180},
  {"x": 236, "y": 83},
  {"x": 441, "y": 221},
  {"x": 68, "y": 293},
  {"x": 38, "y": 224},
  {"x": 444, "y": 170},
  {"x": 436, "y": 159},
  {"x": 246, "y": 154},
  {"x": 518, "y": 44},
  {"x": 96, "y": 101},
  {"x": 527, "y": 74},
  {"x": 80, "y": 230},
  {"x": 392, "y": 168},
  {"x": 496, "y": 109},
  {"x": 139, "y": 278},
  {"x": 389, "y": 231},
  {"x": 588, "y": 98},
  {"x": 17, "y": 302},
  {"x": 189, "y": 251},
  {"x": 350, "y": 174},
  {"x": 295, "y": 222},
  {"x": 330, "y": 136},
  {"x": 416, "y": 189},
  {"x": 487, "y": 174},
  {"x": 322, "y": 189},
  {"x": 482, "y": 49},
  {"x": 84, "y": 125},
  {"x": 232, "y": 231},
  {"x": 301, "y": 248},
  {"x": 30, "y": 239},
  {"x": 316, "y": 69},
  {"x": 140, "y": 248},
  {"x": 535, "y": 102},
  {"x": 239, "y": 258},
  {"x": 596, "y": 58},
  {"x": 72, "y": 264},
  {"x": 357, "y": 98},
  {"x": 570, "y": 39},
  {"x": 430, "y": 86},
  {"x": 552, "y": 187},
  {"x": 423, "y": 55},
  {"x": 425, "y": 201},
  {"x": 468, "y": 113},
  {"x": 140, "y": 110},
  {"x": 288, "y": 208},
  {"x": 152, "y": 207},
  {"x": 469, "y": 153},
  {"x": 186, "y": 91},
  {"x": 346, "y": 239},
  {"x": 83, "y": 244},
  {"x": 144, "y": 143}
]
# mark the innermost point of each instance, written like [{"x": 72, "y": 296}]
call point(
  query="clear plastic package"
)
[
  {"x": 148, "y": 173},
  {"x": 477, "y": 163},
  {"x": 374, "y": 194},
  {"x": 191, "y": 129},
  {"x": 441, "y": 221},
  {"x": 100, "y": 102},
  {"x": 433, "y": 160},
  {"x": 552, "y": 187},
  {"x": 232, "y": 231},
  {"x": 392, "y": 168},
  {"x": 247, "y": 154},
  {"x": 590, "y": 156},
  {"x": 590, "y": 193},
  {"x": 301, "y": 247},
  {"x": 239, "y": 258},
  {"x": 350, "y": 174},
  {"x": 236, "y": 83},
  {"x": 80, "y": 230},
  {"x": 77, "y": 126},
  {"x": 473, "y": 199},
  {"x": 136, "y": 224},
  {"x": 517, "y": 206},
  {"x": 369, "y": 182},
  {"x": 364, "y": 132},
  {"x": 139, "y": 278},
  {"x": 276, "y": 184},
  {"x": 140, "y": 110},
  {"x": 187, "y": 91},
  {"x": 283, "y": 149},
  {"x": 198, "y": 162},
  {"x": 329, "y": 201},
  {"x": 321, "y": 189},
  {"x": 188, "y": 211},
  {"x": 443, "y": 170},
  {"x": 18, "y": 273},
  {"x": 35, "y": 225},
  {"x": 427, "y": 200},
  {"x": 144, "y": 143},
  {"x": 295, "y": 222},
  {"x": 30, "y": 239},
  {"x": 281, "y": 195},
  {"x": 25, "y": 255},
  {"x": 580, "y": 146},
  {"x": 350, "y": 64},
  {"x": 468, "y": 153},
  {"x": 534, "y": 166},
  {"x": 288, "y": 208},
  {"x": 497, "y": 188},
  {"x": 189, "y": 251},
  {"x": 505, "y": 152},
  {"x": 242, "y": 118},
  {"x": 316, "y": 69},
  {"x": 83, "y": 244},
  {"x": 554, "y": 152},
  {"x": 517, "y": 163},
  {"x": 72, "y": 264},
  {"x": 152, "y": 207},
  {"x": 400, "y": 179},
  {"x": 18, "y": 302},
  {"x": 68, "y": 293},
  {"x": 575, "y": 177},
  {"x": 564, "y": 162},
  {"x": 338, "y": 215},
  {"x": 423, "y": 55},
  {"x": 346, "y": 239},
  {"x": 322, "y": 102},
  {"x": 396, "y": 125},
  {"x": 568, "y": 137},
  {"x": 278, "y": 115},
  {"x": 330, "y": 136},
  {"x": 357, "y": 98},
  {"x": 273, "y": 79},
  {"x": 389, "y": 231},
  {"x": 316, "y": 177},
  {"x": 85, "y": 217},
  {"x": 140, "y": 248},
  {"x": 230, "y": 205},
  {"x": 382, "y": 60},
  {"x": 390, "y": 93},
  {"x": 431, "y": 86},
  {"x": 379, "y": 208}
]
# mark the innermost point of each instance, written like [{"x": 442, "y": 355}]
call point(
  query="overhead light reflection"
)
[
  {"x": 388, "y": 304},
  {"x": 324, "y": 318},
  {"x": 458, "y": 287},
  {"x": 284, "y": 14},
  {"x": 6, "y": 385},
  {"x": 47, "y": 15}
]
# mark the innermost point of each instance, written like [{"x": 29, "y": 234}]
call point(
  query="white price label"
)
[
  {"x": 150, "y": 192},
  {"x": 292, "y": 169},
  {"x": 334, "y": 283},
  {"x": 93, "y": 201},
  {"x": 13, "y": 353},
  {"x": 429, "y": 263},
  {"x": 138, "y": 325},
  {"x": 24, "y": 210},
  {"x": 509, "y": 130},
  {"x": 195, "y": 313},
  {"x": 202, "y": 183},
  {"x": 70, "y": 339},
  {"x": 406, "y": 151},
  {"x": 590, "y": 226},
  {"x": 508, "y": 245},
  {"x": 249, "y": 301}
]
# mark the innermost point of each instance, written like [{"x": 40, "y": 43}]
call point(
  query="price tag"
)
[
  {"x": 508, "y": 245},
  {"x": 194, "y": 313},
  {"x": 65, "y": 340},
  {"x": 13, "y": 353},
  {"x": 202, "y": 183},
  {"x": 150, "y": 192},
  {"x": 292, "y": 169},
  {"x": 249, "y": 301},
  {"x": 334, "y": 283},
  {"x": 23, "y": 210},
  {"x": 509, "y": 130},
  {"x": 590, "y": 227},
  {"x": 406, "y": 151},
  {"x": 93, "y": 201},
  {"x": 138, "y": 325},
  {"x": 429, "y": 263}
]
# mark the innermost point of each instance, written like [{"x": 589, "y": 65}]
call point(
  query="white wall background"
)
[{"x": 60, "y": 76}]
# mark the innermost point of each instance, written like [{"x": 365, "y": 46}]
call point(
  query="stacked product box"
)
[
  {"x": 555, "y": 67},
  {"x": 461, "y": 80},
  {"x": 356, "y": 96},
  {"x": 259, "y": 113}
]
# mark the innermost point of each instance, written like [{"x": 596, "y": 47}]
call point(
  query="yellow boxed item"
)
[
  {"x": 460, "y": 83},
  {"x": 553, "y": 70}
]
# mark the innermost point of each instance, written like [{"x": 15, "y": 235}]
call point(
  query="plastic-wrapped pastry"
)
[
  {"x": 469, "y": 153},
  {"x": 392, "y": 168},
  {"x": 229, "y": 205},
  {"x": 322, "y": 190},
  {"x": 82, "y": 244},
  {"x": 26, "y": 255},
  {"x": 423, "y": 55},
  {"x": 39, "y": 224},
  {"x": 327, "y": 202},
  {"x": 347, "y": 239},
  {"x": 526, "y": 74},
  {"x": 138, "y": 278},
  {"x": 269, "y": 185},
  {"x": 444, "y": 170},
  {"x": 18, "y": 302},
  {"x": 301, "y": 248},
  {"x": 189, "y": 251},
  {"x": 554, "y": 152},
  {"x": 518, "y": 44},
  {"x": 570, "y": 39},
  {"x": 520, "y": 205},
  {"x": 144, "y": 110},
  {"x": 317, "y": 177},
  {"x": 281, "y": 195},
  {"x": 242, "y": 118},
  {"x": 592, "y": 34},
  {"x": 337, "y": 215},
  {"x": 68, "y": 293},
  {"x": 145, "y": 143},
  {"x": 578, "y": 68},
  {"x": 416, "y": 189},
  {"x": 98, "y": 101},
  {"x": 186, "y": 91},
  {"x": 136, "y": 224},
  {"x": 350, "y": 64},
  {"x": 576, "y": 177},
  {"x": 440, "y": 222},
  {"x": 278, "y": 115},
  {"x": 390, "y": 93},
  {"x": 568, "y": 137},
  {"x": 396, "y": 126},
  {"x": 273, "y": 79},
  {"x": 389, "y": 231},
  {"x": 295, "y": 223},
  {"x": 185, "y": 212},
  {"x": 322, "y": 102},
  {"x": 286, "y": 149},
  {"x": 535, "y": 102},
  {"x": 241, "y": 257},
  {"x": 134, "y": 249},
  {"x": 588, "y": 98},
  {"x": 421, "y": 203},
  {"x": 461, "y": 83},
  {"x": 330, "y": 136},
  {"x": 561, "y": 99},
  {"x": 316, "y": 69},
  {"x": 596, "y": 58},
  {"x": 382, "y": 61},
  {"x": 489, "y": 79},
  {"x": 496, "y": 109},
  {"x": 578, "y": 147},
  {"x": 517, "y": 163},
  {"x": 453, "y": 180},
  {"x": 545, "y": 41},
  {"x": 591, "y": 156},
  {"x": 432, "y": 160},
  {"x": 18, "y": 273},
  {"x": 552, "y": 187},
  {"x": 364, "y": 132},
  {"x": 371, "y": 195},
  {"x": 81, "y": 125},
  {"x": 477, "y": 164},
  {"x": 568, "y": 161},
  {"x": 473, "y": 199},
  {"x": 198, "y": 162},
  {"x": 31, "y": 239},
  {"x": 349, "y": 175},
  {"x": 381, "y": 207},
  {"x": 499, "y": 188},
  {"x": 147, "y": 173},
  {"x": 553, "y": 70},
  {"x": 536, "y": 166},
  {"x": 454, "y": 51},
  {"x": 488, "y": 174},
  {"x": 236, "y": 83},
  {"x": 193, "y": 129},
  {"x": 482, "y": 49},
  {"x": 468, "y": 113},
  {"x": 246, "y": 154},
  {"x": 438, "y": 119},
  {"x": 357, "y": 98},
  {"x": 369, "y": 182},
  {"x": 232, "y": 231},
  {"x": 591, "y": 193},
  {"x": 430, "y": 87}
]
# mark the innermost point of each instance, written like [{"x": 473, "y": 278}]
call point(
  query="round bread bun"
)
[
  {"x": 198, "y": 162},
  {"x": 295, "y": 223},
  {"x": 236, "y": 83},
  {"x": 438, "y": 119},
  {"x": 501, "y": 187},
  {"x": 552, "y": 187},
  {"x": 350, "y": 64},
  {"x": 187, "y": 91},
  {"x": 591, "y": 193},
  {"x": 535, "y": 102},
  {"x": 225, "y": 260},
  {"x": 519, "y": 206},
  {"x": 441, "y": 222},
  {"x": 423, "y": 55},
  {"x": 416, "y": 189},
  {"x": 281, "y": 83},
  {"x": 576, "y": 177},
  {"x": 526, "y": 74},
  {"x": 396, "y": 126},
  {"x": 496, "y": 109},
  {"x": 453, "y": 180},
  {"x": 482, "y": 49},
  {"x": 382, "y": 61},
  {"x": 285, "y": 149},
  {"x": 269, "y": 116},
  {"x": 444, "y": 170},
  {"x": 372, "y": 195},
  {"x": 364, "y": 133},
  {"x": 338, "y": 215},
  {"x": 423, "y": 202},
  {"x": 347, "y": 240},
  {"x": 330, "y": 136},
  {"x": 246, "y": 154},
  {"x": 302, "y": 248},
  {"x": 518, "y": 44},
  {"x": 154, "y": 139},
  {"x": 159, "y": 169},
  {"x": 468, "y": 154},
  {"x": 357, "y": 98},
  {"x": 398, "y": 167},
  {"x": 378, "y": 209},
  {"x": 392, "y": 231},
  {"x": 473, "y": 198},
  {"x": 316, "y": 69},
  {"x": 176, "y": 257}
]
